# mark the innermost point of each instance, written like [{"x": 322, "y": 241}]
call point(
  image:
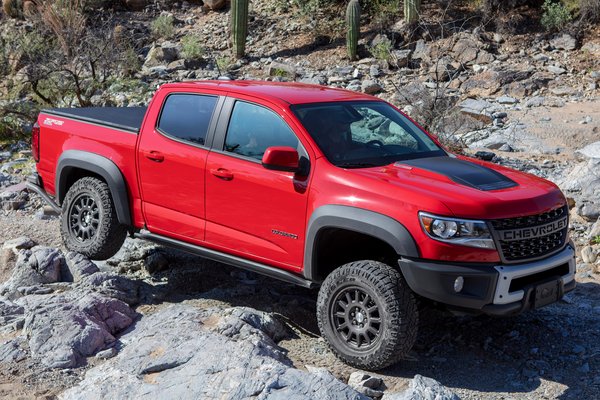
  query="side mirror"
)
[{"x": 281, "y": 158}]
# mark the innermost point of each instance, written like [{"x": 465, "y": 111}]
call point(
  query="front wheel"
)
[
  {"x": 367, "y": 314},
  {"x": 89, "y": 223}
]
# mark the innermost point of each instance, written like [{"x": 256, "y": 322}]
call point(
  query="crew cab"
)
[{"x": 316, "y": 186}]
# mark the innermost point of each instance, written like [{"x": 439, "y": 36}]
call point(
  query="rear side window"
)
[
  {"x": 187, "y": 116},
  {"x": 252, "y": 129}
]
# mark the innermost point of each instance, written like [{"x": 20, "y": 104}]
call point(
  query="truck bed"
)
[{"x": 124, "y": 118}]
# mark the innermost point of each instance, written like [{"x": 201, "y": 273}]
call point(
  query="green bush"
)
[
  {"x": 223, "y": 64},
  {"x": 162, "y": 26},
  {"x": 191, "y": 47},
  {"x": 556, "y": 15},
  {"x": 382, "y": 50}
]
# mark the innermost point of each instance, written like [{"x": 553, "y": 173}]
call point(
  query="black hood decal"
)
[{"x": 464, "y": 172}]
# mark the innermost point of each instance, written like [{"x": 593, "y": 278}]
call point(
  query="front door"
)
[
  {"x": 171, "y": 160},
  {"x": 250, "y": 210}
]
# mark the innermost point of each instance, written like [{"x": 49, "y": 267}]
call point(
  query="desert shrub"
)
[
  {"x": 382, "y": 50},
  {"x": 556, "y": 15},
  {"x": 162, "y": 26},
  {"x": 69, "y": 59},
  {"x": 435, "y": 111},
  {"x": 589, "y": 11},
  {"x": 66, "y": 20},
  {"x": 327, "y": 17},
  {"x": 223, "y": 64},
  {"x": 16, "y": 118},
  {"x": 383, "y": 12},
  {"x": 191, "y": 47}
]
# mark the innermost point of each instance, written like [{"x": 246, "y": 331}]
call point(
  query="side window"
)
[
  {"x": 252, "y": 129},
  {"x": 187, "y": 116}
]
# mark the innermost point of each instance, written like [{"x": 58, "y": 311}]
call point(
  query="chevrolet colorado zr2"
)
[{"x": 316, "y": 186}]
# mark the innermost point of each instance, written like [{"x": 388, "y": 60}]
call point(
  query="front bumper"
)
[{"x": 497, "y": 289}]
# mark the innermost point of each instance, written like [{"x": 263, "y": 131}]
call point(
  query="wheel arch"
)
[
  {"x": 82, "y": 163},
  {"x": 368, "y": 223}
]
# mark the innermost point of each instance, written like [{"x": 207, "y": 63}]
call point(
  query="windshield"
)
[{"x": 364, "y": 134}]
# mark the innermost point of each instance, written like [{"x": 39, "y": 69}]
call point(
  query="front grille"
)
[
  {"x": 530, "y": 220},
  {"x": 534, "y": 246}
]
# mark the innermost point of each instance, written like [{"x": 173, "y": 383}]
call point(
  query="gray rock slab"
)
[
  {"x": 564, "y": 42},
  {"x": 591, "y": 150},
  {"x": 186, "y": 353},
  {"x": 12, "y": 315},
  {"x": 33, "y": 267},
  {"x": 14, "y": 350},
  {"x": 76, "y": 267},
  {"x": 64, "y": 329},
  {"x": 423, "y": 388}
]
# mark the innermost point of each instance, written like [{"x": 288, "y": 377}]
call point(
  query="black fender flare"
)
[
  {"x": 102, "y": 166},
  {"x": 360, "y": 220}
]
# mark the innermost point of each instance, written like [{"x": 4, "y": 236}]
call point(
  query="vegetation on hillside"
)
[{"x": 69, "y": 52}]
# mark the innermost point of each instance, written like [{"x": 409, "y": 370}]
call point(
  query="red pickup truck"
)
[{"x": 314, "y": 186}]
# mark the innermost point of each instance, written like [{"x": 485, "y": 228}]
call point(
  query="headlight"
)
[{"x": 457, "y": 231}]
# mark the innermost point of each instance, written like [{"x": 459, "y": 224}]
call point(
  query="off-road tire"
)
[
  {"x": 396, "y": 311},
  {"x": 108, "y": 234}
]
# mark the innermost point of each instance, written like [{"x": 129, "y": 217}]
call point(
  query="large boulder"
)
[
  {"x": 76, "y": 267},
  {"x": 185, "y": 352},
  {"x": 9, "y": 252},
  {"x": 214, "y": 4},
  {"x": 64, "y": 329},
  {"x": 564, "y": 42},
  {"x": 38, "y": 266},
  {"x": 116, "y": 286},
  {"x": 491, "y": 81},
  {"x": 469, "y": 50},
  {"x": 161, "y": 55}
]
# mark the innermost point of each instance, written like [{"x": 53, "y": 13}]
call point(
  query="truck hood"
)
[{"x": 469, "y": 188}]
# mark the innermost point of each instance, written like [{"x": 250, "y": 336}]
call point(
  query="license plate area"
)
[{"x": 547, "y": 293}]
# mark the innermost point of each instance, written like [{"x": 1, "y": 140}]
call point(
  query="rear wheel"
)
[
  {"x": 367, "y": 314},
  {"x": 89, "y": 222}
]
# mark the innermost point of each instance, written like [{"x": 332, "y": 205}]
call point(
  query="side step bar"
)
[
  {"x": 32, "y": 183},
  {"x": 225, "y": 258}
]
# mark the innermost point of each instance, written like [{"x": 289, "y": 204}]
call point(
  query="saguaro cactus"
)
[
  {"x": 353, "y": 26},
  {"x": 411, "y": 10},
  {"x": 239, "y": 26}
]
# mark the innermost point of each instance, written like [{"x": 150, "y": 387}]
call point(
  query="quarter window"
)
[
  {"x": 252, "y": 129},
  {"x": 187, "y": 116}
]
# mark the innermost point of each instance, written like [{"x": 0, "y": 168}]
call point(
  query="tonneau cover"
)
[{"x": 124, "y": 118}]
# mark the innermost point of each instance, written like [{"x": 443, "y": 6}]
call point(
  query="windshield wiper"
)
[{"x": 357, "y": 165}]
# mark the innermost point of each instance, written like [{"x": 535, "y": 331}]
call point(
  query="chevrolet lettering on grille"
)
[{"x": 534, "y": 231}]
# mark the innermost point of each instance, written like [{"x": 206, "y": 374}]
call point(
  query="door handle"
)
[
  {"x": 154, "y": 156},
  {"x": 222, "y": 173}
]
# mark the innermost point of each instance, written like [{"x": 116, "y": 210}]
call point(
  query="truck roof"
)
[{"x": 288, "y": 92}]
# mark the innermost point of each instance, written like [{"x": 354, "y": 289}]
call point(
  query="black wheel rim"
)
[
  {"x": 356, "y": 318},
  {"x": 84, "y": 218}
]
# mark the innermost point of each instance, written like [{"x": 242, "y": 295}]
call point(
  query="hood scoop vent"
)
[{"x": 463, "y": 172}]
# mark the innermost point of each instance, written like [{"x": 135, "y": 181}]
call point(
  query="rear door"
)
[
  {"x": 250, "y": 210},
  {"x": 172, "y": 154}
]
